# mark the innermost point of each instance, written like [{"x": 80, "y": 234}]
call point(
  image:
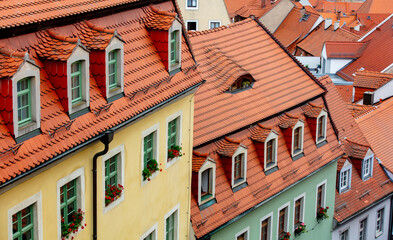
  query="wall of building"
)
[
  {"x": 371, "y": 215},
  {"x": 276, "y": 16},
  {"x": 334, "y": 64},
  {"x": 144, "y": 204},
  {"x": 308, "y": 187},
  {"x": 384, "y": 92},
  {"x": 214, "y": 10}
]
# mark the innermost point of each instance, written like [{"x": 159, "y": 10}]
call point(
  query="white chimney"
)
[
  {"x": 328, "y": 22},
  {"x": 336, "y": 25}
]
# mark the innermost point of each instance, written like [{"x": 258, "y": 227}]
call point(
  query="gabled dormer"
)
[
  {"x": 203, "y": 177},
  {"x": 344, "y": 175},
  {"x": 234, "y": 159},
  {"x": 106, "y": 58},
  {"x": 362, "y": 158},
  {"x": 20, "y": 93},
  {"x": 316, "y": 117},
  {"x": 67, "y": 63},
  {"x": 165, "y": 30},
  {"x": 265, "y": 140},
  {"x": 293, "y": 130}
]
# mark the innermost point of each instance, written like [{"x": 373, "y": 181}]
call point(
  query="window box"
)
[
  {"x": 285, "y": 236},
  {"x": 300, "y": 229},
  {"x": 151, "y": 167},
  {"x": 112, "y": 193},
  {"x": 322, "y": 214},
  {"x": 174, "y": 152},
  {"x": 73, "y": 224}
]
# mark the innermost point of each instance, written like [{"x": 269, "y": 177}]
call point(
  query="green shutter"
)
[
  {"x": 76, "y": 82},
  {"x": 172, "y": 133},
  {"x": 112, "y": 69},
  {"x": 174, "y": 44},
  {"x": 148, "y": 147},
  {"x": 170, "y": 227},
  {"x": 24, "y": 101},
  {"x": 68, "y": 201},
  {"x": 111, "y": 172},
  {"x": 23, "y": 224}
]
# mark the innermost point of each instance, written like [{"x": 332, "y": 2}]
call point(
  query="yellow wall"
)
[{"x": 143, "y": 206}]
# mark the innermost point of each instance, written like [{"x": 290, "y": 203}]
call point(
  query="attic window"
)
[
  {"x": 243, "y": 82},
  {"x": 206, "y": 181}
]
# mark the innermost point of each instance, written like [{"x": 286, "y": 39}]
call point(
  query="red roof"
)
[
  {"x": 358, "y": 110},
  {"x": 279, "y": 82},
  {"x": 146, "y": 83},
  {"x": 376, "y": 6},
  {"x": 160, "y": 20},
  {"x": 345, "y": 49},
  {"x": 371, "y": 80},
  {"x": 94, "y": 37},
  {"x": 246, "y": 8},
  {"x": 346, "y": 92},
  {"x": 10, "y": 61}
]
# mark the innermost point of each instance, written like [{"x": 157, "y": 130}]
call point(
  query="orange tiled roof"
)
[
  {"x": 312, "y": 110},
  {"x": 345, "y": 49},
  {"x": 198, "y": 159},
  {"x": 371, "y": 80},
  {"x": 343, "y": 7},
  {"x": 160, "y": 20},
  {"x": 93, "y": 36},
  {"x": 259, "y": 133},
  {"x": 279, "y": 81},
  {"x": 246, "y": 8},
  {"x": 376, "y": 6},
  {"x": 346, "y": 92},
  {"x": 355, "y": 150},
  {"x": 227, "y": 146},
  {"x": 288, "y": 120},
  {"x": 260, "y": 186},
  {"x": 146, "y": 83},
  {"x": 359, "y": 110},
  {"x": 377, "y": 55},
  {"x": 10, "y": 60}
]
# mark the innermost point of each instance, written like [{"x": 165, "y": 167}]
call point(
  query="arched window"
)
[{"x": 242, "y": 82}]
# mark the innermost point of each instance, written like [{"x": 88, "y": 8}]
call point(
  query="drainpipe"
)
[{"x": 106, "y": 139}]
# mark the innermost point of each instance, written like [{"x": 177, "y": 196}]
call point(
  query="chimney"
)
[
  {"x": 336, "y": 25},
  {"x": 338, "y": 15},
  {"x": 302, "y": 12},
  {"x": 328, "y": 22},
  {"x": 263, "y": 3},
  {"x": 368, "y": 98}
]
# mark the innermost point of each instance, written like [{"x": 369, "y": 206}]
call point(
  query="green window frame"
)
[
  {"x": 148, "y": 149},
  {"x": 112, "y": 69},
  {"x": 174, "y": 44},
  {"x": 68, "y": 201},
  {"x": 24, "y": 101},
  {"x": 172, "y": 133},
  {"x": 23, "y": 224},
  {"x": 76, "y": 82},
  {"x": 170, "y": 227},
  {"x": 111, "y": 172},
  {"x": 150, "y": 236}
]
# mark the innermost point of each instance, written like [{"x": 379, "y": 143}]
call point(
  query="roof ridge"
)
[
  {"x": 98, "y": 28},
  {"x": 365, "y": 72},
  {"x": 9, "y": 52},
  {"x": 197, "y": 33},
  {"x": 59, "y": 37},
  {"x": 161, "y": 12},
  {"x": 356, "y": 143}
]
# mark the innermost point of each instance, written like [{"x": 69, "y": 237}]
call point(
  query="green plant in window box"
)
[
  {"x": 112, "y": 193},
  {"x": 322, "y": 213},
  {"x": 151, "y": 167},
  {"x": 285, "y": 236},
  {"x": 72, "y": 226},
  {"x": 245, "y": 84},
  {"x": 174, "y": 152},
  {"x": 300, "y": 229}
]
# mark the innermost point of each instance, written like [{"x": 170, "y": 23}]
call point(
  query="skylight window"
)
[{"x": 243, "y": 82}]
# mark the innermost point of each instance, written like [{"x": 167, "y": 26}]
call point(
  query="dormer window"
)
[
  {"x": 367, "y": 165},
  {"x": 174, "y": 47},
  {"x": 242, "y": 82},
  {"x": 271, "y": 150},
  {"x": 317, "y": 121},
  {"x": 345, "y": 177},
  {"x": 297, "y": 138},
  {"x": 24, "y": 101},
  {"x": 206, "y": 175},
  {"x": 112, "y": 69},
  {"x": 206, "y": 184},
  {"x": 239, "y": 168},
  {"x": 76, "y": 82},
  {"x": 321, "y": 127}
]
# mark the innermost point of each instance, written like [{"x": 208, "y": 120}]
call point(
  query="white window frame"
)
[
  {"x": 119, "y": 150},
  {"x": 346, "y": 168},
  {"x": 299, "y": 123},
  {"x": 324, "y": 184},
  {"x": 153, "y": 129},
  {"x": 302, "y": 208},
  {"x": 369, "y": 156},
  {"x": 153, "y": 230},
  {"x": 270, "y": 227},
  {"x": 36, "y": 201},
  {"x": 78, "y": 174},
  {"x": 117, "y": 45},
  {"x": 208, "y": 164},
  {"x": 175, "y": 210},
  {"x": 79, "y": 54},
  {"x": 379, "y": 233},
  {"x": 364, "y": 227},
  {"x": 322, "y": 114},
  {"x": 179, "y": 126},
  {"x": 27, "y": 70},
  {"x": 272, "y": 136},
  {"x": 214, "y": 21},
  {"x": 192, "y": 8},
  {"x": 245, "y": 230},
  {"x": 195, "y": 21},
  {"x": 176, "y": 26},
  {"x": 240, "y": 150},
  {"x": 343, "y": 231},
  {"x": 288, "y": 206}
]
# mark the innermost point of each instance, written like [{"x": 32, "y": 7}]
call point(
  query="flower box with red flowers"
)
[
  {"x": 322, "y": 213},
  {"x": 151, "y": 167},
  {"x": 285, "y": 236},
  {"x": 301, "y": 228},
  {"x": 112, "y": 193},
  {"x": 174, "y": 152},
  {"x": 73, "y": 226}
]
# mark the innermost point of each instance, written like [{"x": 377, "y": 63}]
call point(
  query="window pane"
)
[{"x": 24, "y": 101}]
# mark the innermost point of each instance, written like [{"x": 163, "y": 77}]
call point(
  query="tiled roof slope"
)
[
  {"x": 94, "y": 37},
  {"x": 10, "y": 61},
  {"x": 260, "y": 186},
  {"x": 346, "y": 92},
  {"x": 367, "y": 21},
  {"x": 378, "y": 128},
  {"x": 345, "y": 49},
  {"x": 359, "y": 110},
  {"x": 279, "y": 82},
  {"x": 293, "y": 29},
  {"x": 328, "y": 6},
  {"x": 144, "y": 81},
  {"x": 362, "y": 193},
  {"x": 377, "y": 55},
  {"x": 22, "y": 12},
  {"x": 370, "y": 79},
  {"x": 246, "y": 8},
  {"x": 376, "y": 6},
  {"x": 160, "y": 20},
  {"x": 313, "y": 43}
]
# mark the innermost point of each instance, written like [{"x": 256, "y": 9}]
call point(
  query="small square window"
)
[
  {"x": 192, "y": 3},
  {"x": 192, "y": 26},
  {"x": 215, "y": 24}
]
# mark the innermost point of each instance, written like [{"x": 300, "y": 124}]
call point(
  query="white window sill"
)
[
  {"x": 151, "y": 178},
  {"x": 171, "y": 162},
  {"x": 72, "y": 235},
  {"x": 114, "y": 203},
  {"x": 239, "y": 182}
]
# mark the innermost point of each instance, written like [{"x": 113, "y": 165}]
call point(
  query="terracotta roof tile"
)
[
  {"x": 345, "y": 49},
  {"x": 358, "y": 110},
  {"x": 227, "y": 146},
  {"x": 93, "y": 36},
  {"x": 198, "y": 159},
  {"x": 333, "y": 7},
  {"x": 259, "y": 133},
  {"x": 246, "y": 8},
  {"x": 355, "y": 150},
  {"x": 160, "y": 20},
  {"x": 346, "y": 92},
  {"x": 312, "y": 110},
  {"x": 371, "y": 80},
  {"x": 10, "y": 60},
  {"x": 288, "y": 120},
  {"x": 376, "y": 6}
]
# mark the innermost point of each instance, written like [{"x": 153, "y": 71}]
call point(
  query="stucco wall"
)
[
  {"x": 143, "y": 205},
  {"x": 334, "y": 64}
]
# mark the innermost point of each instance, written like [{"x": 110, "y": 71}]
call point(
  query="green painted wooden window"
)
[
  {"x": 174, "y": 44},
  {"x": 23, "y": 224},
  {"x": 112, "y": 69},
  {"x": 150, "y": 236},
  {"x": 24, "y": 101},
  {"x": 68, "y": 201},
  {"x": 170, "y": 227},
  {"x": 172, "y": 133},
  {"x": 148, "y": 148},
  {"x": 76, "y": 82},
  {"x": 111, "y": 172}
]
